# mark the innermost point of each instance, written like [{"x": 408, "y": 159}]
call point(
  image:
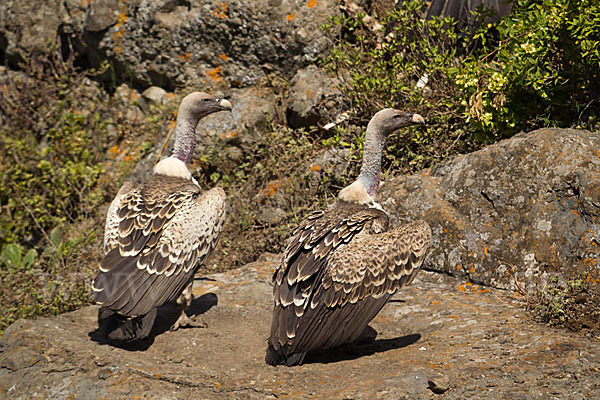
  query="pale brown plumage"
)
[
  {"x": 156, "y": 235},
  {"x": 340, "y": 268},
  {"x": 165, "y": 227}
]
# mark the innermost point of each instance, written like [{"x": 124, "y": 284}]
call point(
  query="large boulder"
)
[
  {"x": 525, "y": 208},
  {"x": 166, "y": 43},
  {"x": 427, "y": 340}
]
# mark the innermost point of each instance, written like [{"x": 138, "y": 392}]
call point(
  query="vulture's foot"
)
[{"x": 186, "y": 322}]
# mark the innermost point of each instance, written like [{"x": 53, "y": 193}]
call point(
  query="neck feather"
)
[
  {"x": 371, "y": 166},
  {"x": 172, "y": 166},
  {"x": 185, "y": 137}
]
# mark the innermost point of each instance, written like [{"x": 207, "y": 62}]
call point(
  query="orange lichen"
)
[
  {"x": 229, "y": 135},
  {"x": 271, "y": 189},
  {"x": 216, "y": 74},
  {"x": 311, "y": 3},
  {"x": 290, "y": 17},
  {"x": 217, "y": 385},
  {"x": 459, "y": 267},
  {"x": 223, "y": 57},
  {"x": 315, "y": 167},
  {"x": 485, "y": 250},
  {"x": 472, "y": 270},
  {"x": 185, "y": 57},
  {"x": 221, "y": 11},
  {"x": 113, "y": 151},
  {"x": 574, "y": 212},
  {"x": 436, "y": 303}
]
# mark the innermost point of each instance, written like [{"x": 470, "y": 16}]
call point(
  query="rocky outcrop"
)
[
  {"x": 211, "y": 44},
  {"x": 433, "y": 337},
  {"x": 314, "y": 99},
  {"x": 528, "y": 206}
]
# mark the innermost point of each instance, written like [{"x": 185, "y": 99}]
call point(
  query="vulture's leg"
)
[{"x": 185, "y": 300}]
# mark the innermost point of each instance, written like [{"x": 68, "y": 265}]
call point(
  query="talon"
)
[
  {"x": 181, "y": 322},
  {"x": 184, "y": 322}
]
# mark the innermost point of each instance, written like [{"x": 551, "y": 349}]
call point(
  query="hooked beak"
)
[
  {"x": 417, "y": 119},
  {"x": 224, "y": 104}
]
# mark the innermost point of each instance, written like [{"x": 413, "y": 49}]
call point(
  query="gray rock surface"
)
[
  {"x": 314, "y": 99},
  {"x": 155, "y": 95},
  {"x": 465, "y": 344},
  {"x": 215, "y": 44},
  {"x": 252, "y": 108},
  {"x": 529, "y": 205}
]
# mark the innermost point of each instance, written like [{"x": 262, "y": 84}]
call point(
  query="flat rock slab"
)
[{"x": 458, "y": 340}]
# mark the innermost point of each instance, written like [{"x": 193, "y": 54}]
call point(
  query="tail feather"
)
[
  {"x": 278, "y": 357},
  {"x": 119, "y": 328}
]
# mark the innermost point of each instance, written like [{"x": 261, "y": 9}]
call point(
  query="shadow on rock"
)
[
  {"x": 161, "y": 319},
  {"x": 365, "y": 345}
]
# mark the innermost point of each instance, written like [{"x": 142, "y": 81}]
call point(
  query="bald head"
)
[
  {"x": 199, "y": 104},
  {"x": 389, "y": 120},
  {"x": 193, "y": 107}
]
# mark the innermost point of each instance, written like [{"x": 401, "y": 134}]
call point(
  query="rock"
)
[
  {"x": 270, "y": 215},
  {"x": 481, "y": 337},
  {"x": 251, "y": 108},
  {"x": 27, "y": 26},
  {"x": 439, "y": 384},
  {"x": 333, "y": 162},
  {"x": 127, "y": 95},
  {"x": 528, "y": 206},
  {"x": 313, "y": 98},
  {"x": 155, "y": 95},
  {"x": 218, "y": 44},
  {"x": 274, "y": 192},
  {"x": 101, "y": 15}
]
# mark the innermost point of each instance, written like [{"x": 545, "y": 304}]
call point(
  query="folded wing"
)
[{"x": 166, "y": 228}]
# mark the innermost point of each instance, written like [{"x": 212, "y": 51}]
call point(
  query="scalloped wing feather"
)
[
  {"x": 305, "y": 259},
  {"x": 357, "y": 279},
  {"x": 166, "y": 227},
  {"x": 111, "y": 227},
  {"x": 375, "y": 265}
]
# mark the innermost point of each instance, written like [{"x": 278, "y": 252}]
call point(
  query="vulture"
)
[
  {"x": 343, "y": 265},
  {"x": 157, "y": 234}
]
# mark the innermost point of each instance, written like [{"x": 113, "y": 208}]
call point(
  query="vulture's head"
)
[
  {"x": 198, "y": 105},
  {"x": 389, "y": 120}
]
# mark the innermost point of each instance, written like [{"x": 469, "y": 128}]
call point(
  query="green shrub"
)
[
  {"x": 59, "y": 163},
  {"x": 50, "y": 163},
  {"x": 574, "y": 304},
  {"x": 13, "y": 259},
  {"x": 402, "y": 65},
  {"x": 537, "y": 67},
  {"x": 543, "y": 69}
]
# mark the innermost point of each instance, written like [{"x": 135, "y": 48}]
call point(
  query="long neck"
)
[
  {"x": 185, "y": 137},
  {"x": 371, "y": 166}
]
